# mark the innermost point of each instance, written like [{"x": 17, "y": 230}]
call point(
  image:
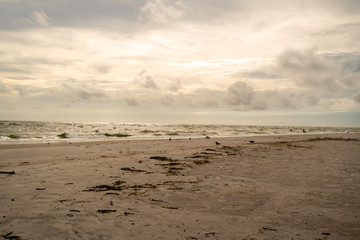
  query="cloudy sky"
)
[{"x": 282, "y": 62}]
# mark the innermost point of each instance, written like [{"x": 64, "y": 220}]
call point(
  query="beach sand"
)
[{"x": 279, "y": 187}]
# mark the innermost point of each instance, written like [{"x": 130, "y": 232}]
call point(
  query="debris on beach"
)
[
  {"x": 105, "y": 211},
  {"x": 201, "y": 162},
  {"x": 11, "y": 236},
  {"x": 161, "y": 158},
  {"x": 101, "y": 188},
  {"x": 10, "y": 173},
  {"x": 128, "y": 213},
  {"x": 118, "y": 186},
  {"x": 131, "y": 169},
  {"x": 170, "y": 207},
  {"x": 209, "y": 234}
]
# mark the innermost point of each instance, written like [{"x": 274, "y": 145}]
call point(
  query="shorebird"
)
[
  {"x": 251, "y": 141},
  {"x": 304, "y": 131},
  {"x": 217, "y": 143},
  {"x": 207, "y": 137}
]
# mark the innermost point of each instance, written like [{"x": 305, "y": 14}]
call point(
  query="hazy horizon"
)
[{"x": 231, "y": 62}]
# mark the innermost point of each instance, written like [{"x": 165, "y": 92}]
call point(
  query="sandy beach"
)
[{"x": 276, "y": 187}]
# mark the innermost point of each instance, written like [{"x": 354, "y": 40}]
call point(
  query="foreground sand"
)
[{"x": 280, "y": 187}]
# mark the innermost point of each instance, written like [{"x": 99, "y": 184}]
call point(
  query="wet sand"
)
[{"x": 279, "y": 187}]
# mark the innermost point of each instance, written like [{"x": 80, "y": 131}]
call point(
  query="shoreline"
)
[
  {"x": 77, "y": 140},
  {"x": 281, "y": 186}
]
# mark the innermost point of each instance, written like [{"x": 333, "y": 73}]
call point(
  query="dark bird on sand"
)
[
  {"x": 251, "y": 141},
  {"x": 207, "y": 137},
  {"x": 217, "y": 143},
  {"x": 169, "y": 139}
]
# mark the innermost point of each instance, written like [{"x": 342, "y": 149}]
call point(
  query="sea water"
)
[{"x": 33, "y": 131}]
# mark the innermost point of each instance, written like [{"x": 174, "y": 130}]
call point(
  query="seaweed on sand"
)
[
  {"x": 118, "y": 186},
  {"x": 131, "y": 169},
  {"x": 161, "y": 158},
  {"x": 12, "y": 136},
  {"x": 117, "y": 135},
  {"x": 63, "y": 135}
]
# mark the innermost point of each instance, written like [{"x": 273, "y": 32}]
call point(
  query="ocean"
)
[{"x": 33, "y": 131}]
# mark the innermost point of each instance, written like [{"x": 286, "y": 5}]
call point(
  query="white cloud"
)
[
  {"x": 146, "y": 81},
  {"x": 82, "y": 90},
  {"x": 40, "y": 18},
  {"x": 3, "y": 88},
  {"x": 162, "y": 11},
  {"x": 37, "y": 18}
]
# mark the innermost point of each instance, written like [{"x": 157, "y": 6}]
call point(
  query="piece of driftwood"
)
[
  {"x": 2, "y": 172},
  {"x": 105, "y": 211},
  {"x": 11, "y": 236}
]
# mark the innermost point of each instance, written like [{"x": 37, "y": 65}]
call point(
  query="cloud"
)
[
  {"x": 309, "y": 70},
  {"x": 240, "y": 93},
  {"x": 357, "y": 97},
  {"x": 286, "y": 99},
  {"x": 167, "y": 99},
  {"x": 132, "y": 101},
  {"x": 3, "y": 88},
  {"x": 37, "y": 18},
  {"x": 203, "y": 97},
  {"x": 145, "y": 81},
  {"x": 175, "y": 86},
  {"x": 244, "y": 97},
  {"x": 82, "y": 90},
  {"x": 162, "y": 11},
  {"x": 23, "y": 92},
  {"x": 350, "y": 68},
  {"x": 259, "y": 74},
  {"x": 40, "y": 18},
  {"x": 10, "y": 1},
  {"x": 150, "y": 83}
]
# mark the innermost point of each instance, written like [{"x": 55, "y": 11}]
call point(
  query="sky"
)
[{"x": 252, "y": 62}]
